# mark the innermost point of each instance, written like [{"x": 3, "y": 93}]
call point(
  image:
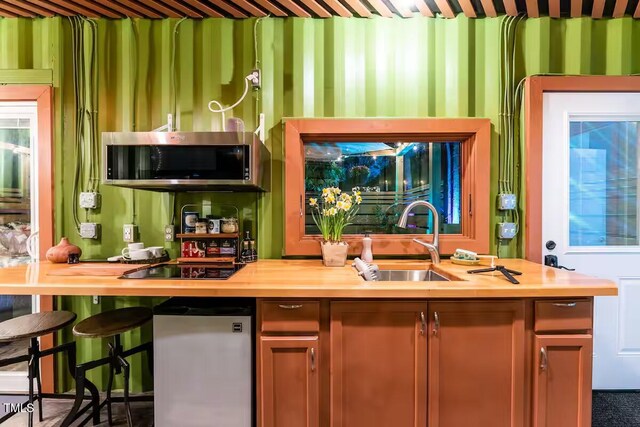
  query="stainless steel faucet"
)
[{"x": 431, "y": 247}]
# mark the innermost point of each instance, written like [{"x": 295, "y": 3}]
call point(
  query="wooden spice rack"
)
[{"x": 216, "y": 259}]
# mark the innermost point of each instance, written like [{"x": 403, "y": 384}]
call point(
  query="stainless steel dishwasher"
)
[{"x": 204, "y": 362}]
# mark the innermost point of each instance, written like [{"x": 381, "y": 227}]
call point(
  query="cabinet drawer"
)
[
  {"x": 290, "y": 316},
  {"x": 563, "y": 315}
]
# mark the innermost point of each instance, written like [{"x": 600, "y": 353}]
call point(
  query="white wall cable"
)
[{"x": 248, "y": 77}]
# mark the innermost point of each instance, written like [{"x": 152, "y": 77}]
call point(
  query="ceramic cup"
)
[
  {"x": 156, "y": 251},
  {"x": 132, "y": 247},
  {"x": 138, "y": 254}
]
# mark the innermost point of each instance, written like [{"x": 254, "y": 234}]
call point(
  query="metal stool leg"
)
[
  {"x": 109, "y": 387},
  {"x": 80, "y": 385},
  {"x": 127, "y": 405}
]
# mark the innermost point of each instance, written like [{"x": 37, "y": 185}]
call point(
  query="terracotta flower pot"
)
[
  {"x": 334, "y": 254},
  {"x": 60, "y": 253}
]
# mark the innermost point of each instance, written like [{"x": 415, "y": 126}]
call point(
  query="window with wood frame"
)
[{"x": 392, "y": 162}]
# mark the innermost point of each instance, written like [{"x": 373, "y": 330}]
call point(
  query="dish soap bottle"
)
[{"x": 367, "y": 254}]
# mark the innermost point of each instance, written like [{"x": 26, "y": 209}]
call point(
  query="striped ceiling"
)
[{"x": 157, "y": 9}]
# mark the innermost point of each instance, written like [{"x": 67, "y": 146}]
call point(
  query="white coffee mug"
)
[
  {"x": 138, "y": 254},
  {"x": 156, "y": 251},
  {"x": 132, "y": 247}
]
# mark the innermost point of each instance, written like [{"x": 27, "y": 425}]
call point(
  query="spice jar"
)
[{"x": 229, "y": 225}]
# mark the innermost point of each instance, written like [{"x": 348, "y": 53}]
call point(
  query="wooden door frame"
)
[
  {"x": 43, "y": 96},
  {"x": 535, "y": 88}
]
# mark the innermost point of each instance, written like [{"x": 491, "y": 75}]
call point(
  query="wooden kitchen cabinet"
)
[
  {"x": 476, "y": 364},
  {"x": 562, "y": 380},
  {"x": 378, "y": 364},
  {"x": 289, "y": 385}
]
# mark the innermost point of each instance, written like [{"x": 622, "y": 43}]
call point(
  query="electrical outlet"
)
[
  {"x": 89, "y": 200},
  {"x": 95, "y": 299},
  {"x": 256, "y": 79},
  {"x": 89, "y": 230},
  {"x": 507, "y": 230},
  {"x": 169, "y": 233},
  {"x": 506, "y": 202},
  {"x": 129, "y": 233}
]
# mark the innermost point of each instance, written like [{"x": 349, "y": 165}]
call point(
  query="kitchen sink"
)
[{"x": 410, "y": 276}]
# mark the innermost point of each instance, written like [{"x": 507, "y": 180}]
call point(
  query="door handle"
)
[
  {"x": 544, "y": 361},
  {"x": 290, "y": 306},
  {"x": 552, "y": 261},
  {"x": 565, "y": 304},
  {"x": 313, "y": 359},
  {"x": 423, "y": 323},
  {"x": 436, "y": 323}
]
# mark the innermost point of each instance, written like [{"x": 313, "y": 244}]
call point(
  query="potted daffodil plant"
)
[{"x": 332, "y": 214}]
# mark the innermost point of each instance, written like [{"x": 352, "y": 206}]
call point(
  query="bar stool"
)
[
  {"x": 110, "y": 324},
  {"x": 32, "y": 326}
]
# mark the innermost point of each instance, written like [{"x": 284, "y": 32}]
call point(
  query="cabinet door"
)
[
  {"x": 562, "y": 383},
  {"x": 476, "y": 364},
  {"x": 378, "y": 364},
  {"x": 289, "y": 382}
]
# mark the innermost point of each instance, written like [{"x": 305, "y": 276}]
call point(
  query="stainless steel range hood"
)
[{"x": 186, "y": 161}]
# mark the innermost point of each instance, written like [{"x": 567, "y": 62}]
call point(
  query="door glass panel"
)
[
  {"x": 17, "y": 125},
  {"x": 603, "y": 183},
  {"x": 389, "y": 175}
]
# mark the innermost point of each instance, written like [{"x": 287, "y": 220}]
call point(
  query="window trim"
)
[{"x": 475, "y": 135}]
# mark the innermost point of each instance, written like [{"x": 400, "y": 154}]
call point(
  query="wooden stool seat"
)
[
  {"x": 34, "y": 325},
  {"x": 113, "y": 322}
]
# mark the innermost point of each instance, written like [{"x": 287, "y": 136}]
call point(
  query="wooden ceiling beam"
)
[
  {"x": 53, "y": 7},
  {"x": 636, "y": 14},
  {"x": 402, "y": 9},
  {"x": 160, "y": 8},
  {"x": 620, "y": 8},
  {"x": 490, "y": 8},
  {"x": 381, "y": 8},
  {"x": 423, "y": 8},
  {"x": 576, "y": 8},
  {"x": 533, "y": 11},
  {"x": 598, "y": 9},
  {"x": 249, "y": 8},
  {"x": 32, "y": 8},
  {"x": 554, "y": 8},
  {"x": 204, "y": 8},
  {"x": 445, "y": 8},
  {"x": 272, "y": 8},
  {"x": 73, "y": 7},
  {"x": 181, "y": 7},
  {"x": 12, "y": 8},
  {"x": 316, "y": 8},
  {"x": 229, "y": 9},
  {"x": 133, "y": 9},
  {"x": 9, "y": 11},
  {"x": 339, "y": 8},
  {"x": 467, "y": 8},
  {"x": 510, "y": 7},
  {"x": 360, "y": 8},
  {"x": 99, "y": 9},
  {"x": 294, "y": 8}
]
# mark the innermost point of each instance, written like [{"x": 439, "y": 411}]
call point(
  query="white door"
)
[
  {"x": 591, "y": 206},
  {"x": 18, "y": 222}
]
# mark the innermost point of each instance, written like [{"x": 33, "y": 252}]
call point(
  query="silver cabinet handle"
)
[
  {"x": 423, "y": 323},
  {"x": 543, "y": 359},
  {"x": 565, "y": 304},
  {"x": 313, "y": 359},
  {"x": 290, "y": 306},
  {"x": 301, "y": 209},
  {"x": 436, "y": 323}
]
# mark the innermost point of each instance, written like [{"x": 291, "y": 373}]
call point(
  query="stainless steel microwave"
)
[{"x": 186, "y": 161}]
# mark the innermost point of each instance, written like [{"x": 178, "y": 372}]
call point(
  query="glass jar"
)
[{"x": 229, "y": 225}]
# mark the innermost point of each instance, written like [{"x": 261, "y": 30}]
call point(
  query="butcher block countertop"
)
[{"x": 306, "y": 279}]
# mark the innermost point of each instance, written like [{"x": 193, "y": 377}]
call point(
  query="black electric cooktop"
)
[{"x": 184, "y": 271}]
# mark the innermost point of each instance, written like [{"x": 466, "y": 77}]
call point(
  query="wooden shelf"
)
[
  {"x": 219, "y": 260},
  {"x": 207, "y": 236}
]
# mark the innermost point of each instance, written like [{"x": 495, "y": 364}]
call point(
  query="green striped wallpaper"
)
[{"x": 334, "y": 67}]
